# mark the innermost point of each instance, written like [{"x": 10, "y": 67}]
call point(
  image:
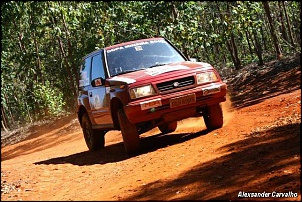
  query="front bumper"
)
[{"x": 175, "y": 106}]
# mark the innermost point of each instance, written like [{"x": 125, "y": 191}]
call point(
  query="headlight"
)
[
  {"x": 206, "y": 77},
  {"x": 141, "y": 91}
]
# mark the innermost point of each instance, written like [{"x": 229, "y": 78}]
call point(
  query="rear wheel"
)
[
  {"x": 168, "y": 127},
  {"x": 95, "y": 139},
  {"x": 213, "y": 116},
  {"x": 129, "y": 132}
]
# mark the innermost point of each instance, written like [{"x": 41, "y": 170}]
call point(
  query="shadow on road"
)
[
  {"x": 41, "y": 136},
  {"x": 116, "y": 152},
  {"x": 251, "y": 166}
]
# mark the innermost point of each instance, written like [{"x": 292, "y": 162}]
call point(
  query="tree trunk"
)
[
  {"x": 248, "y": 41},
  {"x": 39, "y": 68},
  {"x": 229, "y": 46},
  {"x": 282, "y": 27},
  {"x": 258, "y": 48},
  {"x": 64, "y": 58},
  {"x": 185, "y": 51},
  {"x": 3, "y": 126},
  {"x": 70, "y": 55},
  {"x": 4, "y": 120},
  {"x": 174, "y": 12},
  {"x": 9, "y": 112},
  {"x": 224, "y": 57},
  {"x": 216, "y": 52},
  {"x": 291, "y": 38},
  {"x": 20, "y": 38},
  {"x": 272, "y": 29},
  {"x": 234, "y": 46},
  {"x": 264, "y": 41},
  {"x": 38, "y": 76}
]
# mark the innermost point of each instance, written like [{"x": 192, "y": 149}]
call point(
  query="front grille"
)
[{"x": 174, "y": 84}]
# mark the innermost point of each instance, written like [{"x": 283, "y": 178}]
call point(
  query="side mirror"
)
[
  {"x": 193, "y": 59},
  {"x": 97, "y": 82}
]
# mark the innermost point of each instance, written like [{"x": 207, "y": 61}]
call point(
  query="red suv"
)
[{"x": 139, "y": 85}]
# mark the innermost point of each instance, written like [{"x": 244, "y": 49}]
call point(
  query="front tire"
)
[
  {"x": 213, "y": 116},
  {"x": 168, "y": 127},
  {"x": 129, "y": 132},
  {"x": 95, "y": 139}
]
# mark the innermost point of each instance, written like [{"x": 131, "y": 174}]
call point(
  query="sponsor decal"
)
[
  {"x": 137, "y": 46},
  {"x": 97, "y": 102},
  {"x": 167, "y": 68},
  {"x": 107, "y": 89}
]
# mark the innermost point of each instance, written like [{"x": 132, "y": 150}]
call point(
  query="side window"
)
[
  {"x": 85, "y": 72},
  {"x": 97, "y": 67}
]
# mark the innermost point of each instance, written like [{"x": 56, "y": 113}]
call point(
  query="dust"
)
[
  {"x": 193, "y": 124},
  {"x": 227, "y": 110},
  {"x": 197, "y": 124}
]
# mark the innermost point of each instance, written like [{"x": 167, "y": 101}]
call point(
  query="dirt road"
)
[{"x": 256, "y": 151}]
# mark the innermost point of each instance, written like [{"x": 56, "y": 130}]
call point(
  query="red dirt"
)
[{"x": 257, "y": 150}]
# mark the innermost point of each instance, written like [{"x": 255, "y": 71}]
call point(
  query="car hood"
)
[{"x": 154, "y": 73}]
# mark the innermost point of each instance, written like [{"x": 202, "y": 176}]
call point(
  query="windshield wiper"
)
[
  {"x": 128, "y": 71},
  {"x": 157, "y": 65}
]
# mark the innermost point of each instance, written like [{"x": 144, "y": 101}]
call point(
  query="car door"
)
[{"x": 98, "y": 97}]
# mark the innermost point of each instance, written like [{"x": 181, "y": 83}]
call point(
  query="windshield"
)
[{"x": 141, "y": 55}]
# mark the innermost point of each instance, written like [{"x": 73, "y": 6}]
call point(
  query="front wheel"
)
[
  {"x": 95, "y": 139},
  {"x": 213, "y": 116},
  {"x": 129, "y": 132}
]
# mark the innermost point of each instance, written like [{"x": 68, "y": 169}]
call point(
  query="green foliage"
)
[
  {"x": 48, "y": 99},
  {"x": 43, "y": 42}
]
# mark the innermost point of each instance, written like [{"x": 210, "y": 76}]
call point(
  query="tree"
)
[
  {"x": 43, "y": 42},
  {"x": 288, "y": 24},
  {"x": 272, "y": 29}
]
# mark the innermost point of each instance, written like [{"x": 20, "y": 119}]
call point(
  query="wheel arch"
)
[
  {"x": 115, "y": 105},
  {"x": 81, "y": 111}
]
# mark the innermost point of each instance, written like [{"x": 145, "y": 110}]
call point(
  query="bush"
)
[{"x": 49, "y": 99}]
